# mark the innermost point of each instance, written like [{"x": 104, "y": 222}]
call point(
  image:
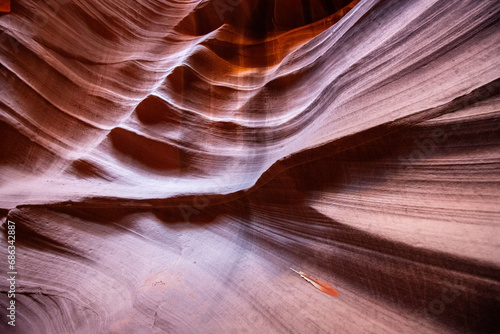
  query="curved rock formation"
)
[{"x": 165, "y": 163}]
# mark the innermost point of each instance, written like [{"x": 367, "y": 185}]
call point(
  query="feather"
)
[{"x": 322, "y": 286}]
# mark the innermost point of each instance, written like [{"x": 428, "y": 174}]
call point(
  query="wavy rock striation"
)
[{"x": 165, "y": 163}]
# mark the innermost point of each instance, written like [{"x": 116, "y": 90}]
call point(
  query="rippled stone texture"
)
[{"x": 166, "y": 162}]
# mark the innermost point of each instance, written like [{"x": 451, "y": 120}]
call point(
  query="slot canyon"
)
[{"x": 164, "y": 164}]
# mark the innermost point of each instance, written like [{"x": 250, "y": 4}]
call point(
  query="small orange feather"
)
[{"x": 322, "y": 286}]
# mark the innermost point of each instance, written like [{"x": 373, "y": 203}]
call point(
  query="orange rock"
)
[{"x": 5, "y": 6}]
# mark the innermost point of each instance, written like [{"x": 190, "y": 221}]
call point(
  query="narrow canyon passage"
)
[{"x": 165, "y": 163}]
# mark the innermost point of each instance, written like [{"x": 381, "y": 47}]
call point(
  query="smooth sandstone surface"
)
[
  {"x": 5, "y": 6},
  {"x": 166, "y": 163}
]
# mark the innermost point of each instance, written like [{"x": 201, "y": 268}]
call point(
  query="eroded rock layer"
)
[{"x": 166, "y": 162}]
